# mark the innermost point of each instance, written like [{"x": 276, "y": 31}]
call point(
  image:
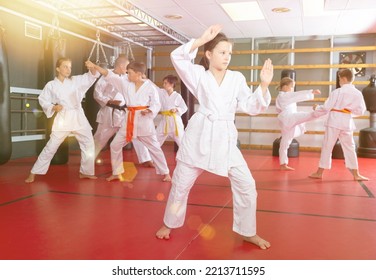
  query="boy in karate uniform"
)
[
  {"x": 110, "y": 119},
  {"x": 141, "y": 98},
  {"x": 172, "y": 108},
  {"x": 341, "y": 106}
]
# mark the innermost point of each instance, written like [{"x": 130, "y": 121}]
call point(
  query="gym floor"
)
[{"x": 62, "y": 217}]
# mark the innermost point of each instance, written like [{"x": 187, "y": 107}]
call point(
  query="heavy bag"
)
[
  {"x": 91, "y": 107},
  {"x": 5, "y": 131},
  {"x": 55, "y": 49}
]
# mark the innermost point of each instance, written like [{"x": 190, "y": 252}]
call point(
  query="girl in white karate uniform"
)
[
  {"x": 63, "y": 96},
  {"x": 141, "y": 97},
  {"x": 210, "y": 139},
  {"x": 342, "y": 105},
  {"x": 172, "y": 108},
  {"x": 110, "y": 119},
  {"x": 291, "y": 121}
]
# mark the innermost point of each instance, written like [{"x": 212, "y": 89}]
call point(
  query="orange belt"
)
[
  {"x": 346, "y": 111},
  {"x": 130, "y": 120}
]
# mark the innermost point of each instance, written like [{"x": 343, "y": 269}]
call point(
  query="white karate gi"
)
[
  {"x": 341, "y": 125},
  {"x": 110, "y": 120},
  {"x": 210, "y": 139},
  {"x": 70, "y": 120},
  {"x": 171, "y": 125},
  {"x": 291, "y": 121},
  {"x": 144, "y": 128}
]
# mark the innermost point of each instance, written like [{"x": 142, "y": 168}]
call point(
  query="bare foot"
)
[
  {"x": 84, "y": 176},
  {"x": 166, "y": 178},
  {"x": 163, "y": 233},
  {"x": 30, "y": 179},
  {"x": 360, "y": 178},
  {"x": 258, "y": 241},
  {"x": 315, "y": 175},
  {"x": 286, "y": 167},
  {"x": 148, "y": 164},
  {"x": 113, "y": 177}
]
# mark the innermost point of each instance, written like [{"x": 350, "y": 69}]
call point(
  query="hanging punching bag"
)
[
  {"x": 367, "y": 136},
  {"x": 55, "y": 48},
  {"x": 91, "y": 106},
  {"x": 5, "y": 132}
]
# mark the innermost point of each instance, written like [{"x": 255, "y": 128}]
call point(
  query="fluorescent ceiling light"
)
[
  {"x": 317, "y": 8},
  {"x": 243, "y": 11}
]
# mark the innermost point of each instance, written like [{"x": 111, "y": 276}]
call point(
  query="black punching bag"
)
[
  {"x": 55, "y": 48},
  {"x": 367, "y": 136},
  {"x": 293, "y": 150},
  {"x": 5, "y": 131},
  {"x": 91, "y": 106}
]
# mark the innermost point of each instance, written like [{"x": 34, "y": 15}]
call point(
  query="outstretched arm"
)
[{"x": 93, "y": 67}]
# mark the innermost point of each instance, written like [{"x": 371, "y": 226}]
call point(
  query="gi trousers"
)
[{"x": 243, "y": 190}]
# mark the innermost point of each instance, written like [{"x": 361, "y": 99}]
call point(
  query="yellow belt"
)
[
  {"x": 345, "y": 111},
  {"x": 170, "y": 114}
]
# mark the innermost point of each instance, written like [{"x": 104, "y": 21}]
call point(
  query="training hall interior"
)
[{"x": 60, "y": 216}]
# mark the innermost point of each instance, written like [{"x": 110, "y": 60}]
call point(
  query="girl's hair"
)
[
  {"x": 285, "y": 81},
  {"x": 61, "y": 60},
  {"x": 209, "y": 46},
  {"x": 171, "y": 79},
  {"x": 137, "y": 67},
  {"x": 346, "y": 73}
]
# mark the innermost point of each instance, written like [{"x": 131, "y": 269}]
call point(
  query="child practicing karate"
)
[
  {"x": 111, "y": 113},
  {"x": 342, "y": 105},
  {"x": 210, "y": 139},
  {"x": 172, "y": 108},
  {"x": 291, "y": 121},
  {"x": 63, "y": 96},
  {"x": 141, "y": 98}
]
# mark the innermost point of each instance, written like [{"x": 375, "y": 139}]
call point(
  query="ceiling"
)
[
  {"x": 339, "y": 17},
  {"x": 144, "y": 22}
]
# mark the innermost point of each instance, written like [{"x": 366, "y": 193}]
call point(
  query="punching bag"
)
[
  {"x": 91, "y": 106},
  {"x": 367, "y": 136},
  {"x": 55, "y": 48},
  {"x": 5, "y": 131}
]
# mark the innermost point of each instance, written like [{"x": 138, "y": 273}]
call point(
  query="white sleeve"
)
[{"x": 188, "y": 72}]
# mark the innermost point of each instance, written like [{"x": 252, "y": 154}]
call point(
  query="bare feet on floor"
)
[
  {"x": 360, "y": 178},
  {"x": 148, "y": 164},
  {"x": 315, "y": 175},
  {"x": 113, "y": 177},
  {"x": 30, "y": 179},
  {"x": 85, "y": 176},
  {"x": 286, "y": 167},
  {"x": 163, "y": 233},
  {"x": 166, "y": 178},
  {"x": 258, "y": 241}
]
